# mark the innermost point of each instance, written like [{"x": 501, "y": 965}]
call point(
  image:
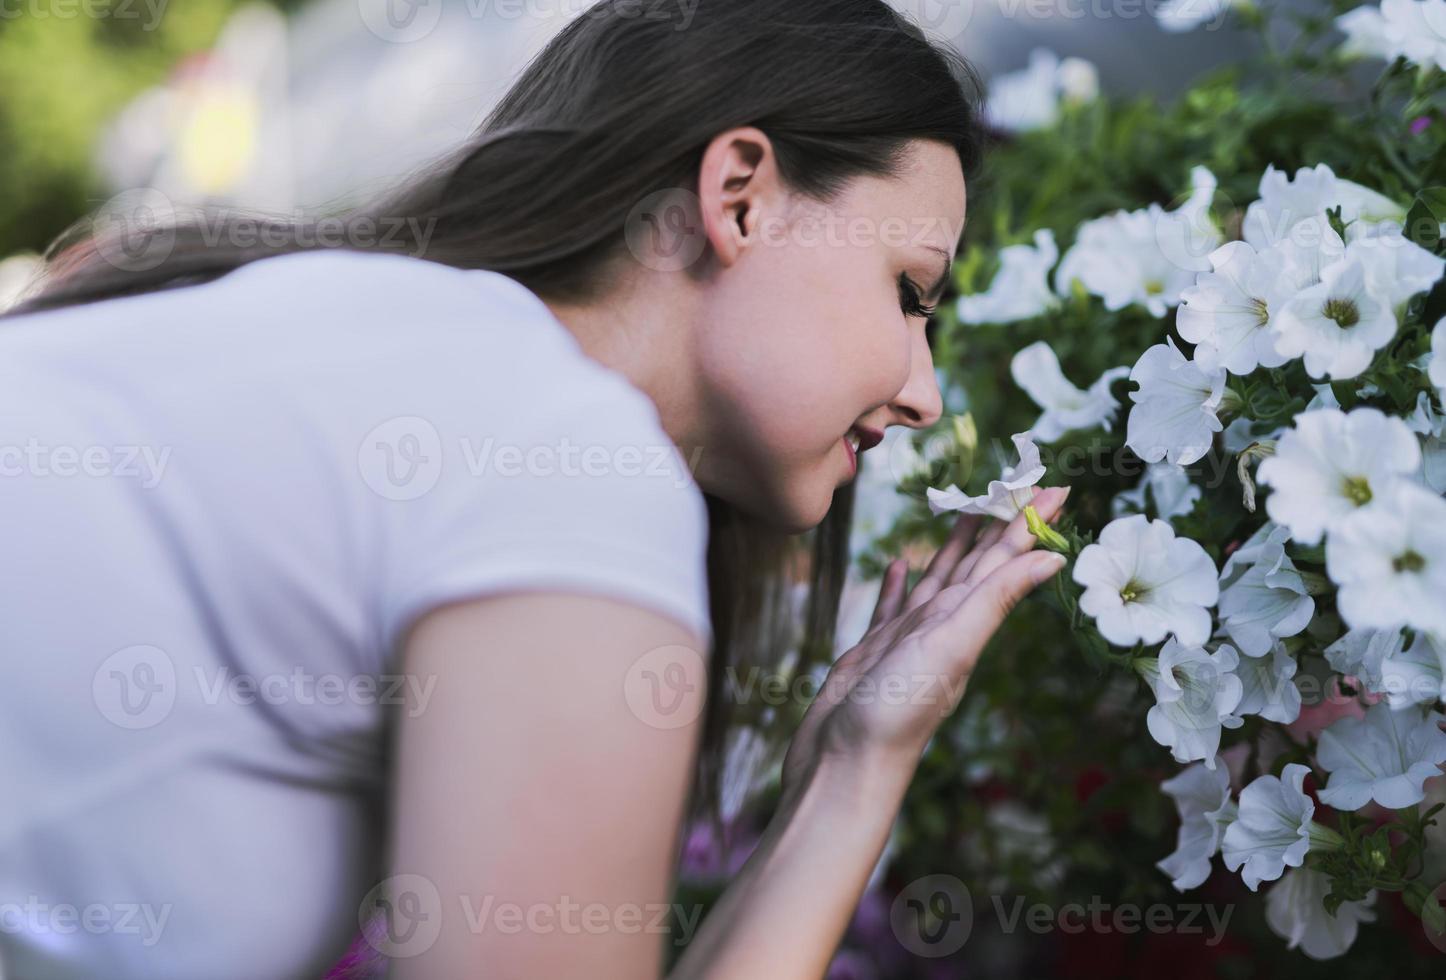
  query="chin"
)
[
  {"x": 794, "y": 506},
  {"x": 809, "y": 508}
]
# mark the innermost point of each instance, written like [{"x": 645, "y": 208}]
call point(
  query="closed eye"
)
[{"x": 910, "y": 302}]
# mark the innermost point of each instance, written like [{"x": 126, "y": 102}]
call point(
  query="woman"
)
[{"x": 393, "y": 574}]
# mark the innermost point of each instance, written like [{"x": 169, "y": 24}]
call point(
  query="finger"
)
[
  {"x": 986, "y": 606},
  {"x": 944, "y": 561},
  {"x": 987, "y": 540},
  {"x": 1017, "y": 538},
  {"x": 891, "y": 593}
]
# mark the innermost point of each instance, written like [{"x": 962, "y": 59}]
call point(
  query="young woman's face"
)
[{"x": 809, "y": 336}]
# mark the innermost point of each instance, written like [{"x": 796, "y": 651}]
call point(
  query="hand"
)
[{"x": 885, "y": 697}]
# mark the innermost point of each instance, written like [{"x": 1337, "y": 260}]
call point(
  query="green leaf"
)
[{"x": 1423, "y": 226}]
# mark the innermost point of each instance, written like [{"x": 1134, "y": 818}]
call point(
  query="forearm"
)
[{"x": 785, "y": 913}]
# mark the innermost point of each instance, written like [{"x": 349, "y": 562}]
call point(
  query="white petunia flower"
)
[
  {"x": 1325, "y": 397},
  {"x": 1020, "y": 289},
  {"x": 1006, "y": 497},
  {"x": 1387, "y": 756},
  {"x": 1036, "y": 369},
  {"x": 1389, "y": 560},
  {"x": 1079, "y": 80},
  {"x": 1142, "y": 583},
  {"x": 1338, "y": 324},
  {"x": 1146, "y": 256},
  {"x": 1382, "y": 664},
  {"x": 1029, "y": 99},
  {"x": 1361, "y": 654},
  {"x": 1415, "y": 29},
  {"x": 1267, "y": 688},
  {"x": 1262, "y": 596},
  {"x": 1196, "y": 694},
  {"x": 1424, "y": 420},
  {"x": 1273, "y": 828},
  {"x": 1169, "y": 486},
  {"x": 1295, "y": 911},
  {"x": 1365, "y": 30},
  {"x": 1176, "y": 411},
  {"x": 1231, "y": 313},
  {"x": 1295, "y": 209},
  {"x": 1178, "y": 16},
  {"x": 1396, "y": 267},
  {"x": 1416, "y": 675},
  {"x": 1331, "y": 463},
  {"x": 1202, "y": 798},
  {"x": 1430, "y": 425}
]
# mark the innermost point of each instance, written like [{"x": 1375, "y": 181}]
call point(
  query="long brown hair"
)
[{"x": 617, "y": 106}]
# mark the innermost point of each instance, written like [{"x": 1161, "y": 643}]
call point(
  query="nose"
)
[{"x": 919, "y": 404}]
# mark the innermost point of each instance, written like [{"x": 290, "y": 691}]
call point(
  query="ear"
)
[{"x": 738, "y": 187}]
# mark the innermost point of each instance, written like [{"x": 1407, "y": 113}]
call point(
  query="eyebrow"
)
[{"x": 937, "y": 289}]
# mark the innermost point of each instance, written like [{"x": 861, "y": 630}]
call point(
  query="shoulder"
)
[{"x": 384, "y": 285}]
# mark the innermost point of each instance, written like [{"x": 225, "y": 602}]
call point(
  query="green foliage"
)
[{"x": 63, "y": 75}]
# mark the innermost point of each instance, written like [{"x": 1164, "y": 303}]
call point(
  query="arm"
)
[
  {"x": 786, "y": 911},
  {"x": 856, "y": 749},
  {"x": 529, "y": 778},
  {"x": 528, "y": 785}
]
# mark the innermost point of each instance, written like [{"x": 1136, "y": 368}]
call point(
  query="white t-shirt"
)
[{"x": 222, "y": 507}]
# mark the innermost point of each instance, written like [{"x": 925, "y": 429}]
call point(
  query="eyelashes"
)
[{"x": 909, "y": 300}]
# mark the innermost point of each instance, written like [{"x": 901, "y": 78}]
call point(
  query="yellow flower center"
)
[
  {"x": 1357, "y": 490},
  {"x": 1410, "y": 561},
  {"x": 1342, "y": 311}
]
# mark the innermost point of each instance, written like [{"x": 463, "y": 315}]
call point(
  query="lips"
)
[{"x": 867, "y": 438}]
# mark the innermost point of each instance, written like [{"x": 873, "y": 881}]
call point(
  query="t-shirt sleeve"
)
[{"x": 585, "y": 493}]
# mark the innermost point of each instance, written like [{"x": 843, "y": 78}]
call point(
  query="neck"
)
[{"x": 642, "y": 333}]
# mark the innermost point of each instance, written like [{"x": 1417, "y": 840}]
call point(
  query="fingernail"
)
[{"x": 1049, "y": 567}]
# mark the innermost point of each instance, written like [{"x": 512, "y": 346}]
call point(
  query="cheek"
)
[{"x": 802, "y": 342}]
